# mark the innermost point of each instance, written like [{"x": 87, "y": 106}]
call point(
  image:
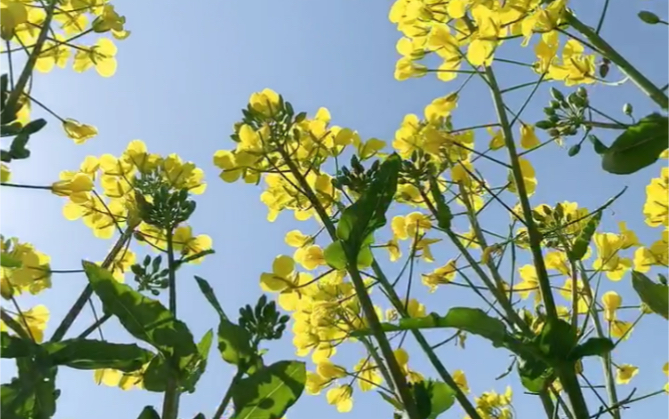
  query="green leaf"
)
[
  {"x": 210, "y": 296},
  {"x": 655, "y": 296},
  {"x": 535, "y": 375},
  {"x": 15, "y": 347},
  {"x": 199, "y": 416},
  {"x": 585, "y": 236},
  {"x": 142, "y": 317},
  {"x": 420, "y": 393},
  {"x": 34, "y": 126},
  {"x": 87, "y": 354},
  {"x": 32, "y": 394},
  {"x": 557, "y": 339},
  {"x": 592, "y": 347},
  {"x": 148, "y": 413},
  {"x": 638, "y": 146},
  {"x": 269, "y": 393},
  {"x": 7, "y": 261},
  {"x": 393, "y": 402},
  {"x": 156, "y": 375},
  {"x": 471, "y": 320},
  {"x": 234, "y": 343},
  {"x": 335, "y": 256},
  {"x": 442, "y": 397},
  {"x": 368, "y": 213},
  {"x": 444, "y": 215},
  {"x": 200, "y": 363}
]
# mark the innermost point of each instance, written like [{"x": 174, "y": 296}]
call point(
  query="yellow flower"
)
[
  {"x": 68, "y": 185},
  {"x": 79, "y": 132},
  {"x": 102, "y": 56},
  {"x": 330, "y": 371},
  {"x": 310, "y": 257},
  {"x": 295, "y": 238},
  {"x": 611, "y": 301},
  {"x": 440, "y": 276},
  {"x": 528, "y": 176},
  {"x": 394, "y": 250},
  {"x": 529, "y": 284},
  {"x": 608, "y": 259},
  {"x": 461, "y": 380},
  {"x": 266, "y": 102},
  {"x": 226, "y": 160},
  {"x": 190, "y": 245},
  {"x": 341, "y": 397},
  {"x": 621, "y": 328},
  {"x": 5, "y": 174},
  {"x": 657, "y": 200},
  {"x": 528, "y": 139},
  {"x": 34, "y": 322},
  {"x": 625, "y": 373},
  {"x": 368, "y": 377},
  {"x": 441, "y": 108},
  {"x": 281, "y": 276}
]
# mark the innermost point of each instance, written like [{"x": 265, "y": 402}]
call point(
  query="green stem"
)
[
  {"x": 361, "y": 291},
  {"x": 625, "y": 66},
  {"x": 606, "y": 358},
  {"x": 171, "y": 400},
  {"x": 86, "y": 294},
  {"x": 566, "y": 373},
  {"x": 32, "y": 59},
  {"x": 389, "y": 291},
  {"x": 228, "y": 395}
]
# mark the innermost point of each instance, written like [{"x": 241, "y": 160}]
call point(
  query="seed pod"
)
[
  {"x": 649, "y": 17},
  {"x": 574, "y": 150}
]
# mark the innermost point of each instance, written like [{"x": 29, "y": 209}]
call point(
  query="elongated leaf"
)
[
  {"x": 15, "y": 347},
  {"x": 148, "y": 413},
  {"x": 269, "y": 393},
  {"x": 156, "y": 375},
  {"x": 580, "y": 247},
  {"x": 8, "y": 261},
  {"x": 655, "y": 296},
  {"x": 368, "y": 213},
  {"x": 85, "y": 354},
  {"x": 592, "y": 347},
  {"x": 444, "y": 215},
  {"x": 557, "y": 339},
  {"x": 393, "y": 402},
  {"x": 472, "y": 320},
  {"x": 200, "y": 363},
  {"x": 638, "y": 146},
  {"x": 142, "y": 317},
  {"x": 32, "y": 394},
  {"x": 234, "y": 342},
  {"x": 208, "y": 292}
]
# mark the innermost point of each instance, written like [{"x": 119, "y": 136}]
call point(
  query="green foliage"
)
[
  {"x": 444, "y": 215},
  {"x": 638, "y": 146},
  {"x": 592, "y": 347},
  {"x": 557, "y": 339},
  {"x": 87, "y": 354},
  {"x": 580, "y": 247},
  {"x": 210, "y": 296},
  {"x": 7, "y": 261},
  {"x": 33, "y": 393},
  {"x": 15, "y": 347},
  {"x": 368, "y": 213},
  {"x": 148, "y": 413},
  {"x": 535, "y": 374},
  {"x": 234, "y": 343},
  {"x": 199, "y": 363},
  {"x": 270, "y": 391},
  {"x": 655, "y": 296},
  {"x": 142, "y": 317}
]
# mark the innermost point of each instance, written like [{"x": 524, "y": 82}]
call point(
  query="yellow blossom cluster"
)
[{"x": 465, "y": 34}]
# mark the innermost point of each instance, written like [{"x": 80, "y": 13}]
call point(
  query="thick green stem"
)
[
  {"x": 32, "y": 59},
  {"x": 625, "y": 66},
  {"x": 171, "y": 400},
  {"x": 86, "y": 294},
  {"x": 365, "y": 301},
  {"x": 228, "y": 395},
  {"x": 567, "y": 374}
]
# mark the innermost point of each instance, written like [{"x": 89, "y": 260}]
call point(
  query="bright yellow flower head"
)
[
  {"x": 611, "y": 301},
  {"x": 625, "y": 373},
  {"x": 281, "y": 276},
  {"x": 79, "y": 132},
  {"x": 341, "y": 397}
]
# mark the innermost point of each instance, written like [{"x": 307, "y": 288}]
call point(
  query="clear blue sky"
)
[{"x": 183, "y": 76}]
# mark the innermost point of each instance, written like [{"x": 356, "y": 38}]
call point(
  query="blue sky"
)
[{"x": 185, "y": 73}]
